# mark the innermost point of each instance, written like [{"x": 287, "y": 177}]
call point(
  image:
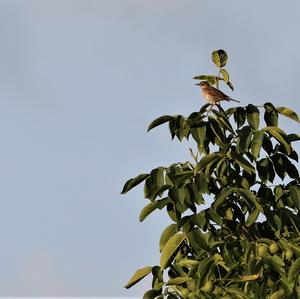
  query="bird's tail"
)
[{"x": 230, "y": 99}]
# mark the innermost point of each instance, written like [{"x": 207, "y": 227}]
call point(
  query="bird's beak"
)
[{"x": 197, "y": 84}]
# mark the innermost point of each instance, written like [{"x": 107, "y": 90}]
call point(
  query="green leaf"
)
[
  {"x": 244, "y": 139},
  {"x": 253, "y": 116},
  {"x": 280, "y": 136},
  {"x": 250, "y": 197},
  {"x": 211, "y": 79},
  {"x": 219, "y": 58},
  {"x": 137, "y": 276},
  {"x": 239, "y": 116},
  {"x": 247, "y": 166},
  {"x": 288, "y": 113},
  {"x": 178, "y": 280},
  {"x": 133, "y": 182},
  {"x": 295, "y": 196},
  {"x": 263, "y": 169},
  {"x": 166, "y": 235},
  {"x": 252, "y": 217},
  {"x": 170, "y": 249},
  {"x": 230, "y": 85},
  {"x": 151, "y": 294},
  {"x": 293, "y": 137},
  {"x": 294, "y": 270},
  {"x": 271, "y": 115},
  {"x": 222, "y": 197},
  {"x": 237, "y": 293},
  {"x": 199, "y": 133},
  {"x": 279, "y": 161},
  {"x": 197, "y": 240},
  {"x": 220, "y": 137},
  {"x": 159, "y": 121},
  {"x": 256, "y": 143},
  {"x": 149, "y": 208},
  {"x": 221, "y": 118},
  {"x": 206, "y": 160},
  {"x": 225, "y": 75}
]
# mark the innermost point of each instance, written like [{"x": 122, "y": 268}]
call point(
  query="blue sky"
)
[{"x": 80, "y": 80}]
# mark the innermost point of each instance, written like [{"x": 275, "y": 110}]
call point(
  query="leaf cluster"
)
[{"x": 234, "y": 210}]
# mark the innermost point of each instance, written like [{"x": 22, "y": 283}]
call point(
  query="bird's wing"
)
[{"x": 217, "y": 94}]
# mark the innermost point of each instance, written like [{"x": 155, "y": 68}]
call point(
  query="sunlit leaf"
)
[
  {"x": 252, "y": 217},
  {"x": 256, "y": 143},
  {"x": 137, "y": 276},
  {"x": 225, "y": 75},
  {"x": 178, "y": 280},
  {"x": 294, "y": 270},
  {"x": 288, "y": 113},
  {"x": 219, "y": 58},
  {"x": 167, "y": 233},
  {"x": 170, "y": 248},
  {"x": 280, "y": 136}
]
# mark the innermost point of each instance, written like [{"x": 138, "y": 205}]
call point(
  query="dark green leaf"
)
[
  {"x": 292, "y": 171},
  {"x": 197, "y": 240},
  {"x": 251, "y": 198},
  {"x": 223, "y": 120},
  {"x": 271, "y": 115},
  {"x": 206, "y": 160},
  {"x": 263, "y": 169},
  {"x": 199, "y": 133},
  {"x": 279, "y": 164},
  {"x": 230, "y": 85},
  {"x": 203, "y": 108},
  {"x": 267, "y": 144},
  {"x": 293, "y": 137},
  {"x": 295, "y": 196},
  {"x": 151, "y": 294},
  {"x": 240, "y": 116},
  {"x": 220, "y": 137},
  {"x": 133, "y": 182},
  {"x": 247, "y": 166},
  {"x": 160, "y": 120},
  {"x": 219, "y": 200},
  {"x": 253, "y": 116},
  {"x": 244, "y": 139}
]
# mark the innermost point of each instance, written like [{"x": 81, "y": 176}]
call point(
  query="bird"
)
[{"x": 212, "y": 94}]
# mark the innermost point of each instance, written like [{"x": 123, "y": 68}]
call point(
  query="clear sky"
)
[{"x": 80, "y": 80}]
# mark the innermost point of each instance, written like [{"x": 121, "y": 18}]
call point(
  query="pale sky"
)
[{"x": 80, "y": 80}]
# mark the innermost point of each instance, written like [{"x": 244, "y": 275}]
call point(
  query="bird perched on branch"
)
[{"x": 213, "y": 95}]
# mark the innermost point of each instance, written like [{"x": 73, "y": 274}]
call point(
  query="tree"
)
[{"x": 235, "y": 230}]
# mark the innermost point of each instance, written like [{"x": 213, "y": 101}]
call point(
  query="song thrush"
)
[{"x": 213, "y": 95}]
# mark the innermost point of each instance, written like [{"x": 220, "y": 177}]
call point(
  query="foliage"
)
[{"x": 235, "y": 230}]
